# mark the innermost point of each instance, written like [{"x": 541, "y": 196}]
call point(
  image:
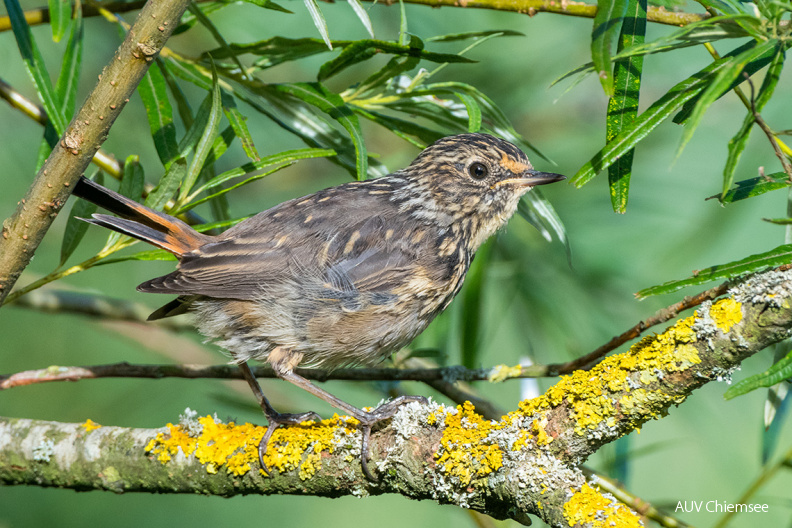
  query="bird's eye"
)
[{"x": 478, "y": 171}]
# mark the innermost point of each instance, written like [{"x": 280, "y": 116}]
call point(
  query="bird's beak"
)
[{"x": 534, "y": 177}]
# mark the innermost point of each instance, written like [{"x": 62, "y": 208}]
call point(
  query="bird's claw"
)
[{"x": 275, "y": 420}]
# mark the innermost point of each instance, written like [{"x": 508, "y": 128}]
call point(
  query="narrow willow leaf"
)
[
  {"x": 76, "y": 228},
  {"x": 753, "y": 187},
  {"x": 779, "y": 221},
  {"x": 222, "y": 192},
  {"x": 69, "y": 76},
  {"x": 204, "y": 145},
  {"x": 362, "y": 50},
  {"x": 34, "y": 64},
  {"x": 205, "y": 22},
  {"x": 740, "y": 140},
  {"x": 774, "y": 257},
  {"x": 60, "y": 14},
  {"x": 473, "y": 111},
  {"x": 133, "y": 179},
  {"x": 623, "y": 106},
  {"x": 720, "y": 84},
  {"x": 193, "y": 134},
  {"x": 475, "y": 35},
  {"x": 182, "y": 104},
  {"x": 362, "y": 15},
  {"x": 168, "y": 185},
  {"x": 607, "y": 22},
  {"x": 269, "y": 4},
  {"x": 289, "y": 157},
  {"x": 188, "y": 20},
  {"x": 750, "y": 68},
  {"x": 332, "y": 104},
  {"x": 403, "y": 33},
  {"x": 403, "y": 128},
  {"x": 154, "y": 93},
  {"x": 472, "y": 306},
  {"x": 239, "y": 124},
  {"x": 658, "y": 112},
  {"x": 275, "y": 50},
  {"x": 781, "y": 371},
  {"x": 539, "y": 212},
  {"x": 318, "y": 20},
  {"x": 149, "y": 254}
]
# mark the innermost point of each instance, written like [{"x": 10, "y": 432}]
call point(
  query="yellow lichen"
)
[
  {"x": 500, "y": 373},
  {"x": 590, "y": 393},
  {"x": 589, "y": 507},
  {"x": 90, "y": 425},
  {"x": 726, "y": 313},
  {"x": 464, "y": 451},
  {"x": 236, "y": 446}
]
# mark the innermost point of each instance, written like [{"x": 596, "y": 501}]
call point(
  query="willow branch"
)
[
  {"x": 526, "y": 7},
  {"x": 23, "y": 232}
]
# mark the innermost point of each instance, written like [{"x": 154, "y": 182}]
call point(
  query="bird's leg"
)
[
  {"x": 274, "y": 418},
  {"x": 367, "y": 419}
]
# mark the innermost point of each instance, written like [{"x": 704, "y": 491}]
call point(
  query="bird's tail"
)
[{"x": 139, "y": 221}]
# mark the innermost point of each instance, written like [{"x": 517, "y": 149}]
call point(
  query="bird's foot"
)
[
  {"x": 275, "y": 420},
  {"x": 368, "y": 419}
]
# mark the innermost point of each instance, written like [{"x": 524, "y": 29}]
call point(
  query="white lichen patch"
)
[
  {"x": 44, "y": 451},
  {"x": 772, "y": 287}
]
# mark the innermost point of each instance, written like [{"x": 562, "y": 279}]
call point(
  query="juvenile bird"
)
[{"x": 344, "y": 276}]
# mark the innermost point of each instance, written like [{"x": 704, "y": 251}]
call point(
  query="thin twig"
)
[{"x": 766, "y": 129}]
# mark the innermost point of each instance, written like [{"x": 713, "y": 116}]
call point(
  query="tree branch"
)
[
  {"x": 527, "y": 7},
  {"x": 525, "y": 463},
  {"x": 22, "y": 233}
]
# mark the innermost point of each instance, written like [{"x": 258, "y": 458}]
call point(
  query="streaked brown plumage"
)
[{"x": 344, "y": 276}]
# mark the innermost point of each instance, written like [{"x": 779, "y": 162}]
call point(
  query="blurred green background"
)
[{"x": 707, "y": 449}]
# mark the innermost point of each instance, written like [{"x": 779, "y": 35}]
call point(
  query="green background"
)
[{"x": 707, "y": 449}]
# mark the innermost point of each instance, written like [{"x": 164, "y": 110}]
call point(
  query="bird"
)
[{"x": 341, "y": 277}]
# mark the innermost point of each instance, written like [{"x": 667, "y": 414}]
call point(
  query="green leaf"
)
[
  {"x": 774, "y": 257},
  {"x": 168, "y": 184},
  {"x": 740, "y": 140},
  {"x": 267, "y": 4},
  {"x": 68, "y": 79},
  {"x": 59, "y": 14},
  {"x": 133, "y": 179},
  {"x": 149, "y": 254},
  {"x": 722, "y": 83},
  {"x": 316, "y": 94},
  {"x": 182, "y": 104},
  {"x": 403, "y": 128},
  {"x": 222, "y": 192},
  {"x": 754, "y": 187},
  {"x": 205, "y": 22},
  {"x": 539, "y": 212},
  {"x": 471, "y": 307},
  {"x": 318, "y": 20},
  {"x": 34, "y": 64},
  {"x": 658, "y": 112},
  {"x": 282, "y": 158},
  {"x": 239, "y": 124},
  {"x": 362, "y": 50},
  {"x": 623, "y": 106},
  {"x": 779, "y": 221},
  {"x": 779, "y": 372},
  {"x": 154, "y": 93},
  {"x": 751, "y": 68},
  {"x": 204, "y": 145},
  {"x": 473, "y": 111},
  {"x": 75, "y": 228},
  {"x": 275, "y": 50},
  {"x": 395, "y": 67},
  {"x": 362, "y": 15},
  {"x": 475, "y": 35},
  {"x": 607, "y": 22}
]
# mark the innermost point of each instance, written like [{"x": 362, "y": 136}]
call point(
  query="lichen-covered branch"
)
[
  {"x": 524, "y": 463},
  {"x": 22, "y": 233}
]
